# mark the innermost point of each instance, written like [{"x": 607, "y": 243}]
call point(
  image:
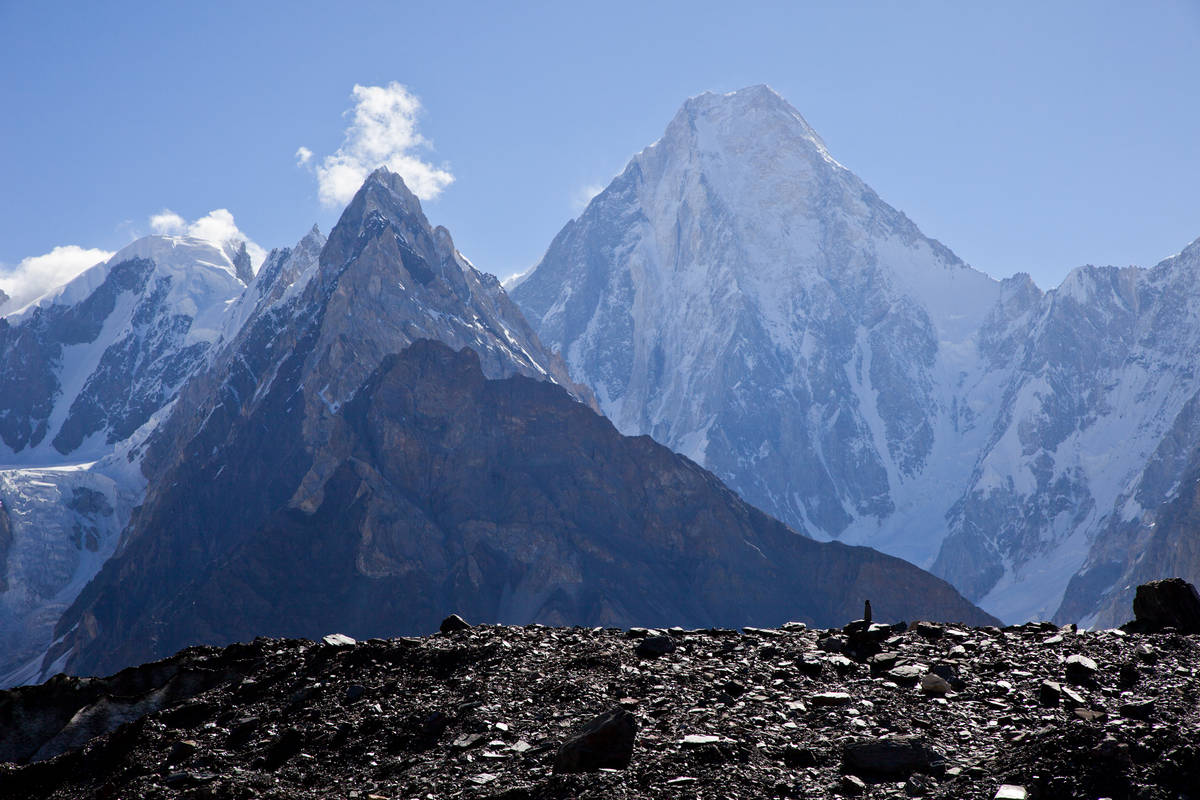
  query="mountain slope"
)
[
  {"x": 83, "y": 372},
  {"x": 1150, "y": 410},
  {"x": 336, "y": 519},
  {"x": 505, "y": 500},
  {"x": 745, "y": 299},
  {"x": 83, "y": 368}
]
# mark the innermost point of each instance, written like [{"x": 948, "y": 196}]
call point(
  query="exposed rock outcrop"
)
[
  {"x": 1170, "y": 603},
  {"x": 506, "y": 500}
]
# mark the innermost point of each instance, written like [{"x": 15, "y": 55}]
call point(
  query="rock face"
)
[
  {"x": 742, "y": 297},
  {"x": 503, "y": 712},
  {"x": 507, "y": 500}
]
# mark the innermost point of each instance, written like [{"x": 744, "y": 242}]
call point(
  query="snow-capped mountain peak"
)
[
  {"x": 736, "y": 281},
  {"x": 746, "y": 114},
  {"x": 744, "y": 298}
]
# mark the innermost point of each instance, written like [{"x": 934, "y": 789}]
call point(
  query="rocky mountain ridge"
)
[
  {"x": 505, "y": 498},
  {"x": 319, "y": 319},
  {"x": 228, "y": 349}
]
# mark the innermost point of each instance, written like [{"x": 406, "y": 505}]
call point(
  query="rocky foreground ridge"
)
[{"x": 874, "y": 710}]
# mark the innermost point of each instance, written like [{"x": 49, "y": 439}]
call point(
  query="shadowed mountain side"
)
[{"x": 504, "y": 500}]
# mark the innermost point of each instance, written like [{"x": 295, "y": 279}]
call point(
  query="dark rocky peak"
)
[
  {"x": 384, "y": 229},
  {"x": 382, "y": 204},
  {"x": 1003, "y": 334},
  {"x": 280, "y": 271},
  {"x": 1098, "y": 289},
  {"x": 3, "y": 299},
  {"x": 388, "y": 278},
  {"x": 243, "y": 269},
  {"x": 31, "y": 348},
  {"x": 1019, "y": 292},
  {"x": 434, "y": 488}
]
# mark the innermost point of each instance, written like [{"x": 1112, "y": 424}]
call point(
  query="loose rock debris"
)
[{"x": 533, "y": 713}]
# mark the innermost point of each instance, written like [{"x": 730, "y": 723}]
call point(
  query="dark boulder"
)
[
  {"x": 605, "y": 741},
  {"x": 655, "y": 646},
  {"x": 1169, "y": 603},
  {"x": 892, "y": 755}
]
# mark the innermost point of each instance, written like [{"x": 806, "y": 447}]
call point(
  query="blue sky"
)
[{"x": 1027, "y": 137}]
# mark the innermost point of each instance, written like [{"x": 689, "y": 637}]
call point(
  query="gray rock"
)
[
  {"x": 1137, "y": 708},
  {"x": 655, "y": 646},
  {"x": 1009, "y": 791},
  {"x": 605, "y": 741},
  {"x": 907, "y": 674},
  {"x": 882, "y": 662},
  {"x": 853, "y": 786},
  {"x": 454, "y": 623},
  {"x": 467, "y": 741},
  {"x": 1072, "y": 699},
  {"x": 935, "y": 684},
  {"x": 829, "y": 699},
  {"x": 832, "y": 644},
  {"x": 1081, "y": 669},
  {"x": 896, "y": 755},
  {"x": 919, "y": 785}
]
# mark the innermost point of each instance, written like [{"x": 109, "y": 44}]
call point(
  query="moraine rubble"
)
[{"x": 490, "y": 712}]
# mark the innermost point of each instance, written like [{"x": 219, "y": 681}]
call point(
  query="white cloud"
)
[
  {"x": 217, "y": 227},
  {"x": 584, "y": 194},
  {"x": 303, "y": 156},
  {"x": 383, "y": 134},
  {"x": 34, "y": 276},
  {"x": 167, "y": 221}
]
